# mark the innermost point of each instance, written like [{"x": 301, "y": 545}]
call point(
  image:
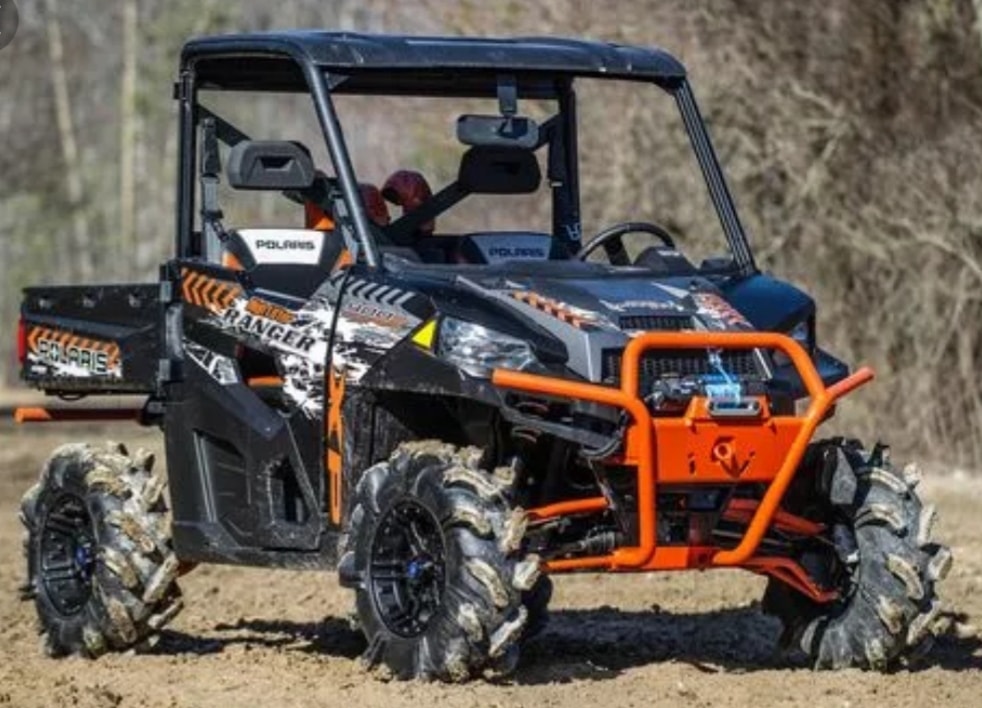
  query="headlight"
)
[
  {"x": 479, "y": 350},
  {"x": 802, "y": 334}
]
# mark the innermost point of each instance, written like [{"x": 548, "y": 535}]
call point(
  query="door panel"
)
[{"x": 246, "y": 424}]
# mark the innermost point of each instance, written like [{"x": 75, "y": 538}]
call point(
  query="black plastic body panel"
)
[
  {"x": 769, "y": 304},
  {"x": 773, "y": 305},
  {"x": 245, "y": 479}
]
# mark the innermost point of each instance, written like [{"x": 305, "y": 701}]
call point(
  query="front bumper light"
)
[{"x": 479, "y": 350}]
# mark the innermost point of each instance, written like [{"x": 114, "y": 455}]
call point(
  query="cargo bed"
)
[{"x": 95, "y": 339}]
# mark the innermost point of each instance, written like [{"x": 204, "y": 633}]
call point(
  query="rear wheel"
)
[
  {"x": 885, "y": 563},
  {"x": 434, "y": 552},
  {"x": 100, "y": 567}
]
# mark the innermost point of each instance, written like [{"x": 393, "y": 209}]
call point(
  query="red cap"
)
[{"x": 409, "y": 189}]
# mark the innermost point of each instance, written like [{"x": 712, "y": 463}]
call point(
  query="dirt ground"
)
[{"x": 281, "y": 638}]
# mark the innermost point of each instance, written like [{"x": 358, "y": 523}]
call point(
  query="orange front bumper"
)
[{"x": 695, "y": 448}]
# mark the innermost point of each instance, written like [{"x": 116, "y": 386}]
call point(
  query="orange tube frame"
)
[
  {"x": 641, "y": 440},
  {"x": 264, "y": 381},
  {"x": 62, "y": 415}
]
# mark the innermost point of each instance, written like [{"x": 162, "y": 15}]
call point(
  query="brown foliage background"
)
[{"x": 850, "y": 131}]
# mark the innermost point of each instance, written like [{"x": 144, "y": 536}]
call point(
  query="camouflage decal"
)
[
  {"x": 372, "y": 321},
  {"x": 221, "y": 368}
]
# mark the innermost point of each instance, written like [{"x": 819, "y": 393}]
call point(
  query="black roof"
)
[{"x": 351, "y": 51}]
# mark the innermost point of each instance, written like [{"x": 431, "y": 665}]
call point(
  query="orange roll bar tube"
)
[
  {"x": 609, "y": 396},
  {"x": 641, "y": 440}
]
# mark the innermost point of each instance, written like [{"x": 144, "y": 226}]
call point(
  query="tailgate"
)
[{"x": 94, "y": 339}]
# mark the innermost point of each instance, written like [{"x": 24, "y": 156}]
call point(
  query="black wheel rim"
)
[
  {"x": 407, "y": 571},
  {"x": 67, "y": 555}
]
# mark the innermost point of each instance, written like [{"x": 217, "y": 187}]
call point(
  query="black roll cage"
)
[{"x": 278, "y": 70}]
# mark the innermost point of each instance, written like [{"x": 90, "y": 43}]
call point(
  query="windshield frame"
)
[{"x": 322, "y": 84}]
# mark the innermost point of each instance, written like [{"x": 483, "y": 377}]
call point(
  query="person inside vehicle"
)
[{"x": 409, "y": 189}]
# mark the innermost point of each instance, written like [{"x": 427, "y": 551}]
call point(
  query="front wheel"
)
[
  {"x": 434, "y": 552},
  {"x": 885, "y": 563}
]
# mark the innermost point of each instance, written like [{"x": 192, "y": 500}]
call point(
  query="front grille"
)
[
  {"x": 665, "y": 323},
  {"x": 680, "y": 363}
]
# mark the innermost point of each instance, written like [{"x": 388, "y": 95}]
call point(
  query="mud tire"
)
[
  {"x": 887, "y": 613},
  {"x": 114, "y": 503},
  {"x": 536, "y": 603},
  {"x": 480, "y": 618}
]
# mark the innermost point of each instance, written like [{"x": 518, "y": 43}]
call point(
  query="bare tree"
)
[
  {"x": 83, "y": 257},
  {"x": 128, "y": 120}
]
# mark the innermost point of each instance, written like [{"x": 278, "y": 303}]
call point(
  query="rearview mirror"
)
[
  {"x": 498, "y": 131},
  {"x": 270, "y": 164}
]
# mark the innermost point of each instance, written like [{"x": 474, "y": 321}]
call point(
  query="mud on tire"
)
[
  {"x": 434, "y": 552},
  {"x": 100, "y": 567},
  {"x": 887, "y": 563}
]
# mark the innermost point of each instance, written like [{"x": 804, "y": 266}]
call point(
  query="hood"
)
[
  {"x": 597, "y": 312},
  {"x": 627, "y": 305},
  {"x": 592, "y": 310}
]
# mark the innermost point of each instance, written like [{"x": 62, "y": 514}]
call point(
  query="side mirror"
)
[
  {"x": 270, "y": 164},
  {"x": 498, "y": 131}
]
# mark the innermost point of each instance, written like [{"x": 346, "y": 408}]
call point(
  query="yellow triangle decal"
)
[{"x": 425, "y": 335}]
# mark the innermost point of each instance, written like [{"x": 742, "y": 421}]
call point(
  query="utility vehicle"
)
[{"x": 450, "y": 418}]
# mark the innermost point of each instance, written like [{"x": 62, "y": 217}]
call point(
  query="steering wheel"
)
[{"x": 612, "y": 240}]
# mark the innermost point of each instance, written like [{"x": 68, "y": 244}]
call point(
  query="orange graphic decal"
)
[
  {"x": 335, "y": 440},
  {"x": 207, "y": 292},
  {"x": 555, "y": 308},
  {"x": 344, "y": 260},
  {"x": 261, "y": 308}
]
